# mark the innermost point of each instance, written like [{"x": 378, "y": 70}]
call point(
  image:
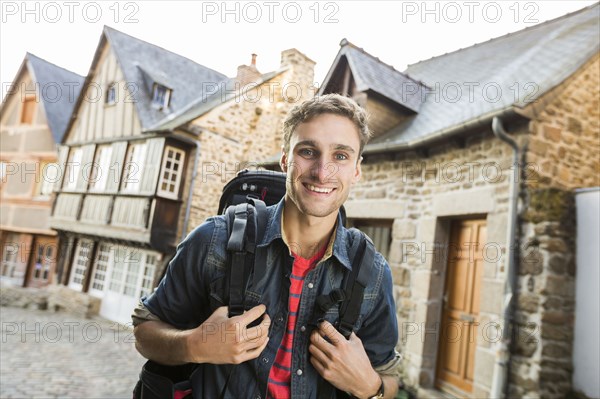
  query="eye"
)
[
  {"x": 341, "y": 157},
  {"x": 306, "y": 152}
]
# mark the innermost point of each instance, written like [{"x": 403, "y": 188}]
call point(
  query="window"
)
[
  {"x": 111, "y": 94},
  {"x": 28, "y": 110},
  {"x": 100, "y": 168},
  {"x": 43, "y": 261},
  {"x": 10, "y": 251},
  {"x": 160, "y": 96},
  {"x": 48, "y": 175},
  {"x": 380, "y": 231},
  {"x": 101, "y": 267},
  {"x": 73, "y": 167},
  {"x": 134, "y": 164},
  {"x": 48, "y": 178},
  {"x": 148, "y": 276},
  {"x": 80, "y": 263},
  {"x": 170, "y": 176}
]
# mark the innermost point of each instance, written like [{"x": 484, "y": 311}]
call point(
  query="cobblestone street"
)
[{"x": 57, "y": 355}]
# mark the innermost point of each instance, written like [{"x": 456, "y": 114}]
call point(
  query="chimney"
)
[{"x": 248, "y": 73}]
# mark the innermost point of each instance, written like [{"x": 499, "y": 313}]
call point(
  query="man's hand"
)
[
  {"x": 343, "y": 363},
  {"x": 224, "y": 340}
]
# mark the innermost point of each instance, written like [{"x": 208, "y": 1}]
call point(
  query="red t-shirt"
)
[{"x": 280, "y": 375}]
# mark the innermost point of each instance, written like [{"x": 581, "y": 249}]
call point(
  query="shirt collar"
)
[{"x": 337, "y": 246}]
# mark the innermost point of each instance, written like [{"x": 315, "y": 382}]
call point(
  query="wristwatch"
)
[{"x": 380, "y": 392}]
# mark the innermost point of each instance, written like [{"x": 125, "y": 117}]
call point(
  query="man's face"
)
[{"x": 322, "y": 164}]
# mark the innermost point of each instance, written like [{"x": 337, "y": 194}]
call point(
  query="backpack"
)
[{"x": 244, "y": 202}]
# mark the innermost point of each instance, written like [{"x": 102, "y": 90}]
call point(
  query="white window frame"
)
[
  {"x": 49, "y": 176},
  {"x": 111, "y": 94},
  {"x": 73, "y": 167},
  {"x": 134, "y": 167},
  {"x": 167, "y": 173},
  {"x": 132, "y": 272},
  {"x": 102, "y": 269},
  {"x": 101, "y": 167},
  {"x": 81, "y": 263},
  {"x": 161, "y": 96}
]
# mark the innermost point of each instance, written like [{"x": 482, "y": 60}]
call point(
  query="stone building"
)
[
  {"x": 152, "y": 137},
  {"x": 35, "y": 113},
  {"x": 468, "y": 188}
]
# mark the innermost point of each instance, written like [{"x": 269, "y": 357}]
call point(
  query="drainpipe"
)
[
  {"x": 188, "y": 206},
  {"x": 502, "y": 367}
]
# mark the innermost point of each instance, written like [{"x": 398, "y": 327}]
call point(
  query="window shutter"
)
[
  {"x": 86, "y": 167},
  {"x": 115, "y": 170},
  {"x": 152, "y": 165},
  {"x": 63, "y": 152}
]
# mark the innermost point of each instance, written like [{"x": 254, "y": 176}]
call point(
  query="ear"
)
[
  {"x": 358, "y": 171},
  {"x": 283, "y": 161}
]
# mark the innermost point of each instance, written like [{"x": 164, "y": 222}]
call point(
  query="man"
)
[{"x": 307, "y": 254}]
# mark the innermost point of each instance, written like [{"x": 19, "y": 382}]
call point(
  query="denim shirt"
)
[{"x": 194, "y": 287}]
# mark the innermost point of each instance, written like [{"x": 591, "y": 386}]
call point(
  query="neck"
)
[{"x": 306, "y": 234}]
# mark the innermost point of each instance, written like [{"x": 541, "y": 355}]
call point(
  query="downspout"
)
[
  {"x": 501, "y": 374},
  {"x": 188, "y": 205}
]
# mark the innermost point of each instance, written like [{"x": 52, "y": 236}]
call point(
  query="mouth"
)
[{"x": 318, "y": 190}]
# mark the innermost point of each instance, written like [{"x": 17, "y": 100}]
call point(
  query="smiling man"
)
[{"x": 307, "y": 254}]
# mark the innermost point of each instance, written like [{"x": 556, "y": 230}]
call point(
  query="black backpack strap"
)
[
  {"x": 351, "y": 297},
  {"x": 355, "y": 285},
  {"x": 260, "y": 262},
  {"x": 241, "y": 246}
]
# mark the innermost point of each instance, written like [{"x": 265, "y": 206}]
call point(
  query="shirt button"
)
[
  {"x": 302, "y": 328},
  {"x": 310, "y": 285},
  {"x": 265, "y": 360},
  {"x": 299, "y": 372},
  {"x": 280, "y": 319}
]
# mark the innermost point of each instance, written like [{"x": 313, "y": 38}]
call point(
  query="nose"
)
[{"x": 322, "y": 171}]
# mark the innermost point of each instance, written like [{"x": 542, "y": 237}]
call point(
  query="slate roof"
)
[
  {"x": 225, "y": 91},
  {"x": 59, "y": 90},
  {"x": 534, "y": 60},
  {"x": 142, "y": 63},
  {"x": 371, "y": 74}
]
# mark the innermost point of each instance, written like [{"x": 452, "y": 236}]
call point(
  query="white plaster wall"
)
[{"x": 586, "y": 351}]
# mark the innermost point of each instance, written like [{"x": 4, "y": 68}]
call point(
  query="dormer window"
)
[
  {"x": 111, "y": 94},
  {"x": 161, "y": 96}
]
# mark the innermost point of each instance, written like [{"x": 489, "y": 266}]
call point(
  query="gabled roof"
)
[
  {"x": 371, "y": 74},
  {"x": 534, "y": 60},
  {"x": 217, "y": 95},
  {"x": 144, "y": 64},
  {"x": 141, "y": 62},
  {"x": 58, "y": 90}
]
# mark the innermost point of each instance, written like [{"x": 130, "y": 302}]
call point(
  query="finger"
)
[
  {"x": 255, "y": 352},
  {"x": 319, "y": 355},
  {"x": 317, "y": 340},
  {"x": 317, "y": 365},
  {"x": 220, "y": 311},
  {"x": 251, "y": 315},
  {"x": 259, "y": 330},
  {"x": 326, "y": 329}
]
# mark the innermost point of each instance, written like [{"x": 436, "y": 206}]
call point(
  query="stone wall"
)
[
  {"x": 562, "y": 155},
  {"x": 421, "y": 194},
  {"x": 246, "y": 130},
  {"x": 565, "y": 137},
  {"x": 544, "y": 320},
  {"x": 53, "y": 297}
]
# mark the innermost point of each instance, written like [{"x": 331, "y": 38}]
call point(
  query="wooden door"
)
[
  {"x": 458, "y": 334},
  {"x": 42, "y": 261}
]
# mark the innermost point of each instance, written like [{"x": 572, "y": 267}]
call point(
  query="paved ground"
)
[{"x": 57, "y": 355}]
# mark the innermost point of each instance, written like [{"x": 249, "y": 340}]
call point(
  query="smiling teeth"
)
[{"x": 320, "y": 190}]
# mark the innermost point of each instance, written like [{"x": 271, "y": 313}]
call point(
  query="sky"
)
[{"x": 222, "y": 34}]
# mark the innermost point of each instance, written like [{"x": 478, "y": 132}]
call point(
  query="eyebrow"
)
[{"x": 313, "y": 143}]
